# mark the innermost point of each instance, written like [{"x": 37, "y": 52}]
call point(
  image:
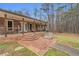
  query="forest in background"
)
[{"x": 60, "y": 17}]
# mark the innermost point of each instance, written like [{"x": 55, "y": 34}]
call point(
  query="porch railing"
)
[{"x": 9, "y": 30}]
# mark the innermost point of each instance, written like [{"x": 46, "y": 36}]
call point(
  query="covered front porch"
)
[
  {"x": 13, "y": 23},
  {"x": 14, "y": 26}
]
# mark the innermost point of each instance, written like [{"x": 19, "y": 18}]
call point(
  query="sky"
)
[{"x": 19, "y": 6}]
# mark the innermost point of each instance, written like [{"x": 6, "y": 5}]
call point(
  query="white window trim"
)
[{"x": 25, "y": 27}]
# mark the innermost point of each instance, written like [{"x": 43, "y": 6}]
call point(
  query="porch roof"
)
[{"x": 32, "y": 19}]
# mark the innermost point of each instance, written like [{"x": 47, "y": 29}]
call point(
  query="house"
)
[{"x": 11, "y": 22}]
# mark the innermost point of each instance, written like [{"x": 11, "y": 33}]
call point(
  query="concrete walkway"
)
[{"x": 71, "y": 51}]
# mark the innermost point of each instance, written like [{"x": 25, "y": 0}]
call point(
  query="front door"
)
[
  {"x": 30, "y": 26},
  {"x": 10, "y": 26}
]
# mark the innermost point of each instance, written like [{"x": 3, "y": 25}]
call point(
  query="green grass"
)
[
  {"x": 8, "y": 44},
  {"x": 24, "y": 52},
  {"x": 50, "y": 52},
  {"x": 54, "y": 52},
  {"x": 10, "y": 47},
  {"x": 74, "y": 42},
  {"x": 3, "y": 46}
]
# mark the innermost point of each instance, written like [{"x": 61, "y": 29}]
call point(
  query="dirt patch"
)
[{"x": 69, "y": 35}]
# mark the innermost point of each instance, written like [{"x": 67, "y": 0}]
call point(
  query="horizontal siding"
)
[{"x": 17, "y": 17}]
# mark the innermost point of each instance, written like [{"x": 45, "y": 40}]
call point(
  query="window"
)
[{"x": 9, "y": 25}]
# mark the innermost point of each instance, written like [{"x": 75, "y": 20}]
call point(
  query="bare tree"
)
[
  {"x": 48, "y": 9},
  {"x": 23, "y": 12}
]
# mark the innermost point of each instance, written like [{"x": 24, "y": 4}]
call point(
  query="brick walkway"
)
[{"x": 36, "y": 42}]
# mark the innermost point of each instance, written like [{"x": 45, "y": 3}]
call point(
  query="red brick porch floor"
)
[{"x": 36, "y": 42}]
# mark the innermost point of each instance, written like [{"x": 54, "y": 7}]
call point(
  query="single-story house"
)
[{"x": 11, "y": 22}]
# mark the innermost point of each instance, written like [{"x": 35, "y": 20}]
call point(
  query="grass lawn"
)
[
  {"x": 8, "y": 44},
  {"x": 10, "y": 47},
  {"x": 54, "y": 52},
  {"x": 24, "y": 52},
  {"x": 71, "y": 41}
]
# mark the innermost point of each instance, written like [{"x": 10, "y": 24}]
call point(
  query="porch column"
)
[
  {"x": 33, "y": 27},
  {"x": 5, "y": 24},
  {"x": 23, "y": 25},
  {"x": 27, "y": 27}
]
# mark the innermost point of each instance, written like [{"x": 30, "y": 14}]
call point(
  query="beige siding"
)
[
  {"x": 17, "y": 17},
  {"x": 1, "y": 26}
]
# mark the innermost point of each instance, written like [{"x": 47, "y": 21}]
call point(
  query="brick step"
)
[{"x": 31, "y": 37}]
